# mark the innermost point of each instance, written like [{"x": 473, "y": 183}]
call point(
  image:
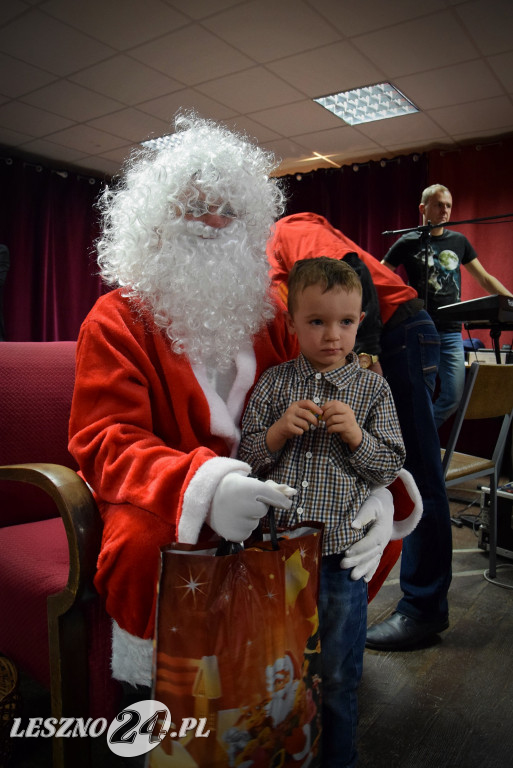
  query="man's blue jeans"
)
[
  {"x": 451, "y": 372},
  {"x": 409, "y": 358},
  {"x": 343, "y": 629}
]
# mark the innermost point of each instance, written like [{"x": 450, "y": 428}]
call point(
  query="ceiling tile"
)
[
  {"x": 285, "y": 148},
  {"x": 250, "y": 128},
  {"x": 12, "y": 138},
  {"x": 29, "y": 120},
  {"x": 52, "y": 151},
  {"x": 18, "y": 78},
  {"x": 166, "y": 107},
  {"x": 413, "y": 46},
  {"x": 71, "y": 100},
  {"x": 99, "y": 165},
  {"x": 337, "y": 141},
  {"x": 368, "y": 15},
  {"x": 404, "y": 146},
  {"x": 267, "y": 29},
  {"x": 123, "y": 68},
  {"x": 10, "y": 10},
  {"x": 131, "y": 124},
  {"x": 86, "y": 139},
  {"x": 481, "y": 115},
  {"x": 172, "y": 54},
  {"x": 118, "y": 155},
  {"x": 450, "y": 85},
  {"x": 294, "y": 119},
  {"x": 330, "y": 69},
  {"x": 490, "y": 22},
  {"x": 47, "y": 43},
  {"x": 200, "y": 9},
  {"x": 502, "y": 65},
  {"x": 487, "y": 136},
  {"x": 415, "y": 127},
  {"x": 127, "y": 80},
  {"x": 120, "y": 24},
  {"x": 251, "y": 90}
]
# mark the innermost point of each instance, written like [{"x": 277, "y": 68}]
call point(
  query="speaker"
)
[{"x": 504, "y": 520}]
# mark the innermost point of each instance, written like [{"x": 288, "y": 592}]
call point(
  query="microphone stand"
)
[
  {"x": 425, "y": 238},
  {"x": 424, "y": 231}
]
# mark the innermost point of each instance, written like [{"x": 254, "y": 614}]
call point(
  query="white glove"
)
[
  {"x": 283, "y": 488},
  {"x": 364, "y": 556},
  {"x": 240, "y": 501}
]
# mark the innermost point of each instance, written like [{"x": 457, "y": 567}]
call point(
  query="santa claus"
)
[{"x": 166, "y": 361}]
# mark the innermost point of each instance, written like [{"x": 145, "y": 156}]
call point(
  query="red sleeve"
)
[{"x": 131, "y": 431}]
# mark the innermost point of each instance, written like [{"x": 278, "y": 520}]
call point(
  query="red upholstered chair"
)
[{"x": 52, "y": 623}]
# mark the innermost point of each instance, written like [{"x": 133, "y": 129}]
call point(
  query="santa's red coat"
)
[{"x": 153, "y": 439}]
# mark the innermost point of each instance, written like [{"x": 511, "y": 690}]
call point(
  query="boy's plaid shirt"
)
[{"x": 332, "y": 482}]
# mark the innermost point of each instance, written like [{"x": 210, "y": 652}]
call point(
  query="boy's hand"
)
[
  {"x": 340, "y": 419},
  {"x": 298, "y": 417}
]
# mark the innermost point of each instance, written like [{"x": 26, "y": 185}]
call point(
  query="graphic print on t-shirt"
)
[{"x": 444, "y": 277}]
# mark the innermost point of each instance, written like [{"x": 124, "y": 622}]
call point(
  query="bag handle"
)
[
  {"x": 232, "y": 547},
  {"x": 272, "y": 529},
  {"x": 226, "y": 547}
]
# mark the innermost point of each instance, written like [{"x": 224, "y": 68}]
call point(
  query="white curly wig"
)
[{"x": 208, "y": 288}]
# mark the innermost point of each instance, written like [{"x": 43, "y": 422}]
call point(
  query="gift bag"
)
[{"x": 237, "y": 659}]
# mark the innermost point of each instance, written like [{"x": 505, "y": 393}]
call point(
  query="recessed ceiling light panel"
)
[
  {"x": 161, "y": 142},
  {"x": 363, "y": 105}
]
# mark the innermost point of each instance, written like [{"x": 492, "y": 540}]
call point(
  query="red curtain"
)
[
  {"x": 364, "y": 199},
  {"x": 49, "y": 224}
]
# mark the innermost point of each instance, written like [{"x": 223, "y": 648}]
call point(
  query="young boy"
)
[{"x": 329, "y": 429}]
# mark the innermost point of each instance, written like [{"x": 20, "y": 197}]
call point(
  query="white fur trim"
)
[
  {"x": 402, "y": 528},
  {"x": 246, "y": 374},
  {"x": 225, "y": 417},
  {"x": 132, "y": 657},
  {"x": 200, "y": 492}
]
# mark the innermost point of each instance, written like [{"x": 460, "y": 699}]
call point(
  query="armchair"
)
[{"x": 54, "y": 626}]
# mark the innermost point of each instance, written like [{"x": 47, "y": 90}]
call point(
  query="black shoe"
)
[{"x": 400, "y": 632}]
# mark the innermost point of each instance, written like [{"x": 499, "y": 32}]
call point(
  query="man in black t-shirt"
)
[{"x": 447, "y": 251}]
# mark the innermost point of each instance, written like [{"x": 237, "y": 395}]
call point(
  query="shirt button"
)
[
  {"x": 317, "y": 399},
  {"x": 318, "y": 375},
  {"x": 305, "y": 483},
  {"x": 308, "y": 454},
  {"x": 300, "y": 511}
]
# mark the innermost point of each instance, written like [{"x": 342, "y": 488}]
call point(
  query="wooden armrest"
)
[{"x": 79, "y": 513}]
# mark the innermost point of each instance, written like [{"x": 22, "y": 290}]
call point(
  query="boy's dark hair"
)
[{"x": 323, "y": 271}]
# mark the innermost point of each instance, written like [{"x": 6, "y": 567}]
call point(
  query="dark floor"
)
[{"x": 448, "y": 705}]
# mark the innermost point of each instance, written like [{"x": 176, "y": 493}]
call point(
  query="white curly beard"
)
[{"x": 209, "y": 290}]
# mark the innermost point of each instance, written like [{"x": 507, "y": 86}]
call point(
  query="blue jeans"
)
[
  {"x": 343, "y": 628},
  {"x": 409, "y": 358},
  {"x": 451, "y": 372}
]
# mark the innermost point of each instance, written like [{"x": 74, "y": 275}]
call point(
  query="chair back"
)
[
  {"x": 488, "y": 394},
  {"x": 491, "y": 394},
  {"x": 36, "y": 386}
]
